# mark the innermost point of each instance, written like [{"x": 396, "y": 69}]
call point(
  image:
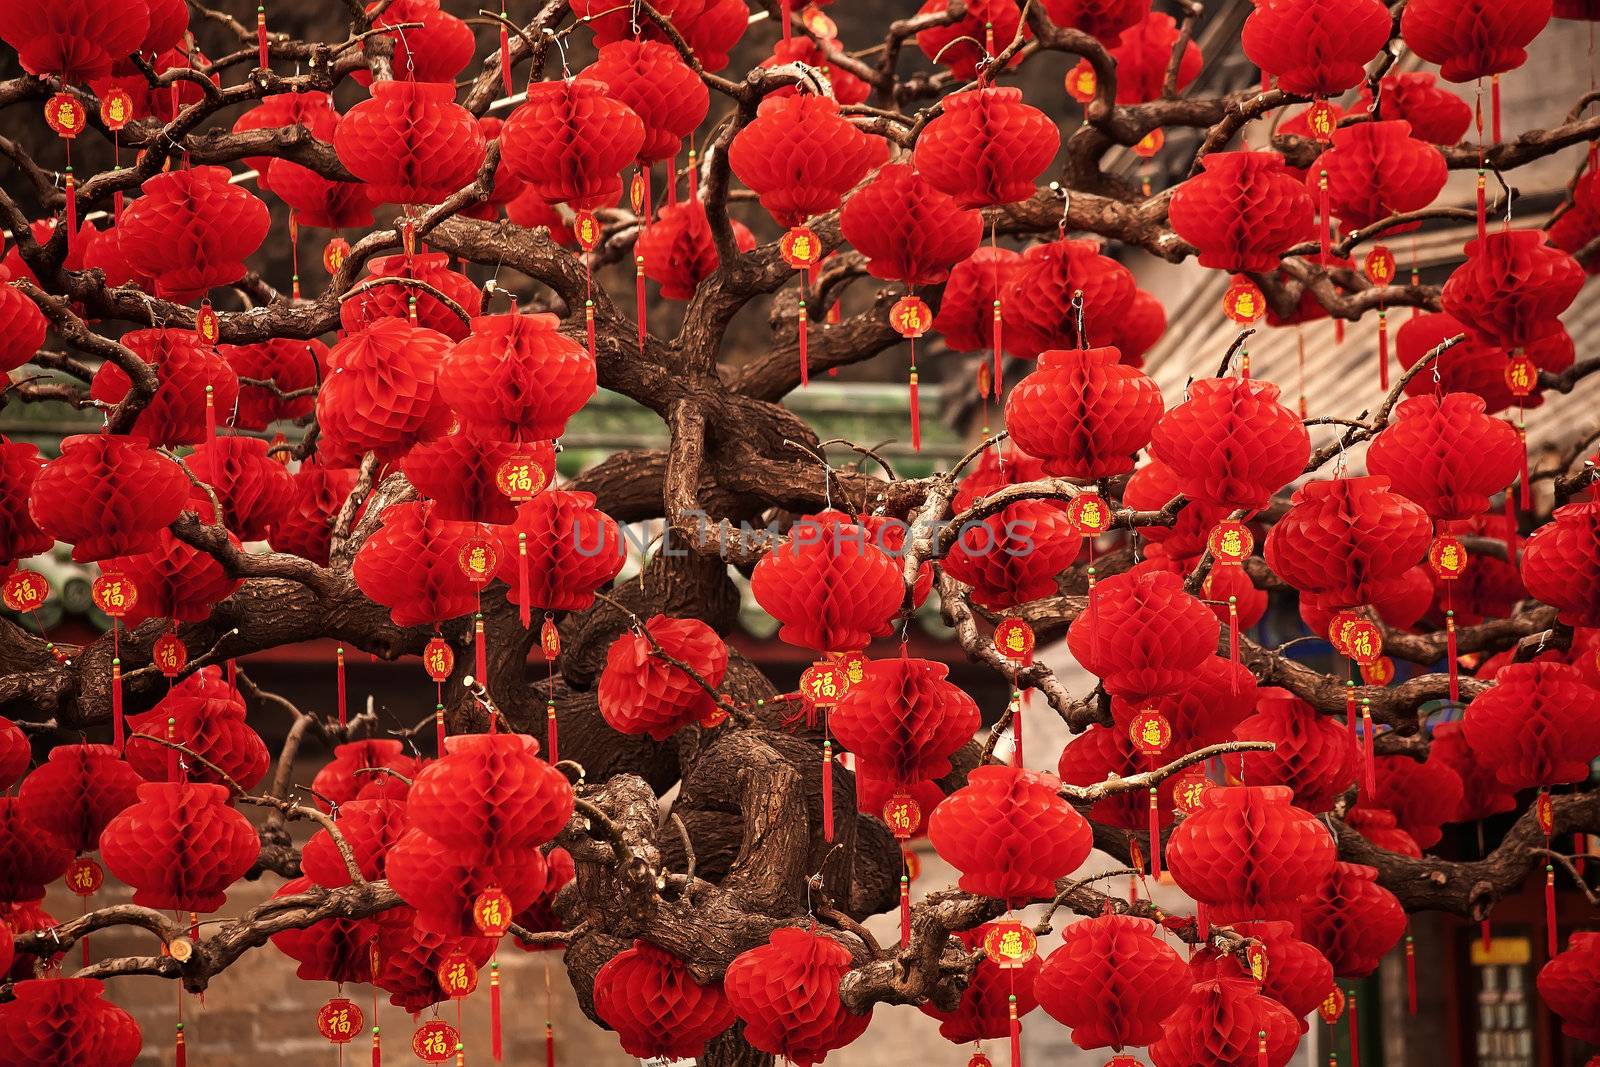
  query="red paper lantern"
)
[
  {"x": 306, "y": 529},
  {"x": 254, "y": 489},
  {"x": 176, "y": 414},
  {"x": 1474, "y": 365},
  {"x": 829, "y": 584},
  {"x": 206, "y": 716},
  {"x": 1352, "y": 920},
  {"x": 1472, "y": 39},
  {"x": 1561, "y": 563},
  {"x": 800, "y": 156},
  {"x": 430, "y": 45},
  {"x": 657, "y": 86},
  {"x": 393, "y": 301},
  {"x": 107, "y": 495},
  {"x": 1377, "y": 169},
  {"x": 1102, "y": 751},
  {"x": 409, "y": 958},
  {"x": 443, "y": 884},
  {"x": 329, "y": 950},
  {"x": 847, "y": 88},
  {"x": 63, "y": 1022},
  {"x": 873, "y": 793},
  {"x": 1083, "y": 412},
  {"x": 1482, "y": 793},
  {"x": 1437, "y": 115},
  {"x": 460, "y": 474},
  {"x": 1220, "y": 584},
  {"x": 1249, "y": 852},
  {"x": 382, "y": 396},
  {"x": 191, "y": 231},
  {"x": 25, "y": 918},
  {"x": 292, "y": 366},
  {"x": 1009, "y": 834},
  {"x": 904, "y": 720},
  {"x": 314, "y": 111},
  {"x": 996, "y": 469},
  {"x": 984, "y": 1012},
  {"x": 1512, "y": 287},
  {"x": 1537, "y": 726},
  {"x": 1014, "y": 557},
  {"x": 22, "y": 326},
  {"x": 1220, "y": 1025},
  {"x": 1152, "y": 487},
  {"x": 1104, "y": 19},
  {"x": 20, "y": 536},
  {"x": 1113, "y": 981},
  {"x": 1423, "y": 796},
  {"x": 1382, "y": 829},
  {"x": 1580, "y": 10},
  {"x": 679, "y": 250},
  {"x": 1215, "y": 699},
  {"x": 960, "y": 45},
  {"x": 540, "y": 917},
  {"x": 318, "y": 201},
  {"x": 787, "y": 994},
  {"x": 1244, "y": 212},
  {"x": 1297, "y": 975},
  {"x": 490, "y": 791},
  {"x": 180, "y": 847},
  {"x": 101, "y": 249},
  {"x": 15, "y": 753},
  {"x": 1313, "y": 755},
  {"x": 1315, "y": 47},
  {"x": 30, "y": 857},
  {"x": 1446, "y": 454},
  {"x": 1142, "y": 635},
  {"x": 1580, "y": 224},
  {"x": 986, "y": 147},
  {"x": 1231, "y": 444},
  {"x": 174, "y": 581},
  {"x": 909, "y": 231},
  {"x": 1143, "y": 56},
  {"x": 516, "y": 378},
  {"x": 1141, "y": 326},
  {"x": 642, "y": 693},
  {"x": 570, "y": 140},
  {"x": 80, "y": 40},
  {"x": 1039, "y": 308},
  {"x": 370, "y": 826},
  {"x": 653, "y": 1002},
  {"x": 1347, "y": 540},
  {"x": 573, "y": 549},
  {"x": 966, "y": 311},
  {"x": 709, "y": 27},
  {"x": 410, "y": 142},
  {"x": 412, "y": 565},
  {"x": 1569, "y": 985}
]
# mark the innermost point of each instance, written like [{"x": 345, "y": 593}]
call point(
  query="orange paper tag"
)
[{"x": 1081, "y": 82}]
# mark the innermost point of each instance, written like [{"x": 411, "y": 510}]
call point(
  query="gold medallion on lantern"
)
[
  {"x": 1014, "y": 638},
  {"x": 1332, "y": 1007},
  {"x": 435, "y": 1041},
  {"x": 1189, "y": 789},
  {"x": 1244, "y": 302},
  {"x": 24, "y": 591},
  {"x": 1010, "y": 944},
  {"x": 477, "y": 559},
  {"x": 520, "y": 478},
  {"x": 1150, "y": 731},
  {"x": 1522, "y": 374},
  {"x": 1379, "y": 265},
  {"x": 911, "y": 316},
  {"x": 1447, "y": 557},
  {"x": 334, "y": 253},
  {"x": 340, "y": 1020},
  {"x": 491, "y": 912},
  {"x": 114, "y": 594},
  {"x": 457, "y": 975},
  {"x": 169, "y": 654},
  {"x": 1150, "y": 143},
  {"x": 800, "y": 248},
  {"x": 824, "y": 684},
  {"x": 1089, "y": 514},
  {"x": 1080, "y": 82},
  {"x": 66, "y": 115},
  {"x": 1321, "y": 119},
  {"x": 586, "y": 230},
  {"x": 438, "y": 659},
  {"x": 1231, "y": 542},
  {"x": 84, "y": 877},
  {"x": 902, "y": 815}
]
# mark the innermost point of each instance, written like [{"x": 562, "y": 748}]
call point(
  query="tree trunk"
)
[{"x": 732, "y": 1050}]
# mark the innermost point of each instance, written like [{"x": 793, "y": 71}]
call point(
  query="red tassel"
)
[
  {"x": 905, "y": 907},
  {"x": 525, "y": 609},
  {"x": 638, "y": 291},
  {"x": 1369, "y": 747},
  {"x": 1524, "y": 489},
  {"x": 180, "y": 1051},
  {"x": 1450, "y": 653},
  {"x": 496, "y": 1048},
  {"x": 1411, "y": 974},
  {"x": 999, "y": 375},
  {"x": 505, "y": 81},
  {"x": 1494, "y": 105},
  {"x": 552, "y": 733},
  {"x": 783, "y": 13},
  {"x": 261, "y": 36},
  {"x": 116, "y": 695},
  {"x": 1485, "y": 934},
  {"x": 1383, "y": 351},
  {"x": 1483, "y": 209},
  {"x": 1016, "y": 730},
  {"x": 916, "y": 412},
  {"x": 1261, "y": 1048},
  {"x": 549, "y": 1045},
  {"x": 1552, "y": 934},
  {"x": 1233, "y": 637},
  {"x": 827, "y": 791},
  {"x": 805, "y": 359},
  {"x": 72, "y": 208},
  {"x": 339, "y": 655},
  {"x": 1155, "y": 834},
  {"x": 1016, "y": 1031},
  {"x": 377, "y": 1049},
  {"x": 438, "y": 728},
  {"x": 1355, "y": 1033},
  {"x": 480, "y": 658},
  {"x": 1324, "y": 222},
  {"x": 588, "y": 319}
]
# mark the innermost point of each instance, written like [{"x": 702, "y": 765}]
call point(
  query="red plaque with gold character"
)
[
  {"x": 457, "y": 975},
  {"x": 435, "y": 1041},
  {"x": 586, "y": 230},
  {"x": 1089, "y": 514},
  {"x": 1189, "y": 789},
  {"x": 1149, "y": 731},
  {"x": 478, "y": 559},
  {"x": 800, "y": 248},
  {"x": 84, "y": 877},
  {"x": 114, "y": 594},
  {"x": 1014, "y": 639},
  {"x": 1447, "y": 558},
  {"x": 1379, "y": 265},
  {"x": 1379, "y": 672},
  {"x": 1332, "y": 1007},
  {"x": 438, "y": 659},
  {"x": 491, "y": 912},
  {"x": 1010, "y": 943},
  {"x": 1363, "y": 642},
  {"x": 854, "y": 664},
  {"x": 169, "y": 654},
  {"x": 824, "y": 684},
  {"x": 1231, "y": 542},
  {"x": 902, "y": 815},
  {"x": 66, "y": 115},
  {"x": 1244, "y": 303},
  {"x": 911, "y": 316},
  {"x": 1522, "y": 374},
  {"x": 25, "y": 591},
  {"x": 521, "y": 478},
  {"x": 340, "y": 1020}
]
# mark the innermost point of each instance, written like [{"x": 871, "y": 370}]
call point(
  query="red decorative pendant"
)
[
  {"x": 116, "y": 108},
  {"x": 66, "y": 115},
  {"x": 1081, "y": 82},
  {"x": 478, "y": 560},
  {"x": 521, "y": 478},
  {"x": 902, "y": 815},
  {"x": 1150, "y": 143},
  {"x": 1379, "y": 265},
  {"x": 1014, "y": 639},
  {"x": 1010, "y": 944},
  {"x": 800, "y": 248},
  {"x": 910, "y": 316},
  {"x": 24, "y": 591},
  {"x": 491, "y": 912},
  {"x": 207, "y": 327},
  {"x": 457, "y": 975},
  {"x": 114, "y": 594},
  {"x": 1150, "y": 731},
  {"x": 438, "y": 659},
  {"x": 340, "y": 1020},
  {"x": 84, "y": 877},
  {"x": 550, "y": 640},
  {"x": 169, "y": 654},
  {"x": 1244, "y": 302},
  {"x": 1364, "y": 641},
  {"x": 1321, "y": 119},
  {"x": 1231, "y": 542},
  {"x": 435, "y": 1041},
  {"x": 586, "y": 230},
  {"x": 1089, "y": 514},
  {"x": 334, "y": 253},
  {"x": 1189, "y": 788},
  {"x": 1332, "y": 1007},
  {"x": 824, "y": 684},
  {"x": 1448, "y": 558},
  {"x": 1522, "y": 374}
]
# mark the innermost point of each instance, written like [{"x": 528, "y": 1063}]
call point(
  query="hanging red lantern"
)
[
  {"x": 1297, "y": 975},
  {"x": 490, "y": 791},
  {"x": 573, "y": 549},
  {"x": 329, "y": 950},
  {"x": 658, "y": 1009},
  {"x": 831, "y": 587},
  {"x": 394, "y": 301},
  {"x": 191, "y": 230},
  {"x": 79, "y": 40},
  {"x": 1483, "y": 794},
  {"x": 1315, "y": 47},
  {"x": 1083, "y": 412},
  {"x": 1313, "y": 755},
  {"x": 1569, "y": 986},
  {"x": 1437, "y": 115},
  {"x": 909, "y": 231},
  {"x": 1155, "y": 484},
  {"x": 1377, "y": 169},
  {"x": 656, "y": 85},
  {"x": 1561, "y": 563},
  {"x": 1382, "y": 829},
  {"x": 1347, "y": 540},
  {"x": 254, "y": 489},
  {"x": 1352, "y": 920},
  {"x": 1142, "y": 60},
  {"x": 1475, "y": 365},
  {"x": 1227, "y": 1022},
  {"x": 1231, "y": 444},
  {"x": 318, "y": 201},
  {"x": 987, "y": 147},
  {"x": 1446, "y": 454},
  {"x": 430, "y": 45},
  {"x": 983, "y": 1013},
  {"x": 1065, "y": 294},
  {"x": 20, "y": 536},
  {"x": 679, "y": 250},
  {"x": 570, "y": 140},
  {"x": 961, "y": 45},
  {"x": 444, "y": 883},
  {"x": 1113, "y": 981},
  {"x": 539, "y": 917},
  {"x": 186, "y": 368},
  {"x": 205, "y": 715},
  {"x": 15, "y": 755},
  {"x": 1423, "y": 796},
  {"x": 874, "y": 794},
  {"x": 1102, "y": 19},
  {"x": 642, "y": 693},
  {"x": 1243, "y": 212},
  {"x": 1472, "y": 39},
  {"x": 1250, "y": 853},
  {"x": 1142, "y": 635},
  {"x": 382, "y": 396},
  {"x": 1512, "y": 287},
  {"x": 30, "y": 857},
  {"x": 180, "y": 847},
  {"x": 460, "y": 473},
  {"x": 1009, "y": 834},
  {"x": 174, "y": 580},
  {"x": 516, "y": 378},
  {"x": 1102, "y": 751},
  {"x": 1580, "y": 224},
  {"x": 966, "y": 311},
  {"x": 1537, "y": 726},
  {"x": 801, "y": 156},
  {"x": 411, "y": 142},
  {"x": 22, "y": 326},
  {"x": 847, "y": 88},
  {"x": 1215, "y": 699},
  {"x": 904, "y": 720},
  {"x": 370, "y": 826},
  {"x": 306, "y": 528},
  {"x": 709, "y": 27},
  {"x": 107, "y": 495},
  {"x": 64, "y": 1022},
  {"x": 787, "y": 994},
  {"x": 357, "y": 764},
  {"x": 1013, "y": 557},
  {"x": 1141, "y": 326},
  {"x": 313, "y": 110},
  {"x": 291, "y": 366},
  {"x": 411, "y": 565},
  {"x": 409, "y": 958}
]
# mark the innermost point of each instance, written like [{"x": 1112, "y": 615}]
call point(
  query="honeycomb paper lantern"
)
[
  {"x": 829, "y": 584},
  {"x": 290, "y": 365},
  {"x": 904, "y": 720},
  {"x": 1352, "y": 920},
  {"x": 540, "y": 917},
  {"x": 180, "y": 847},
  {"x": 1142, "y": 59},
  {"x": 382, "y": 396},
  {"x": 1102, "y": 19},
  {"x": 412, "y": 565},
  {"x": 569, "y": 141},
  {"x": 393, "y": 301},
  {"x": 847, "y": 88},
  {"x": 80, "y": 40},
  {"x": 107, "y": 495},
  {"x": 656, "y": 85},
  {"x": 1014, "y": 557},
  {"x": 1298, "y": 976},
  {"x": 984, "y": 1012},
  {"x": 1153, "y": 485},
  {"x": 341, "y": 779},
  {"x": 1423, "y": 796},
  {"x": 787, "y": 994},
  {"x": 958, "y": 44},
  {"x": 1231, "y": 444},
  {"x": 1083, "y": 412},
  {"x": 15, "y": 753},
  {"x": 1569, "y": 985},
  {"x": 318, "y": 201},
  {"x": 254, "y": 489},
  {"x": 329, "y": 950},
  {"x": 1220, "y": 1025},
  {"x": 1437, "y": 115},
  {"x": 800, "y": 156},
  {"x": 1009, "y": 834},
  {"x": 460, "y": 474},
  {"x": 432, "y": 46},
  {"x": 370, "y": 827},
  {"x": 1347, "y": 539},
  {"x": 573, "y": 549},
  {"x": 1561, "y": 563},
  {"x": 1446, "y": 454},
  {"x": 191, "y": 231},
  {"x": 966, "y": 311},
  {"x": 443, "y": 884},
  {"x": 174, "y": 580},
  {"x": 1243, "y": 212},
  {"x": 679, "y": 250},
  {"x": 1537, "y": 726},
  {"x": 1474, "y": 365},
  {"x": 20, "y": 536},
  {"x": 649, "y": 997},
  {"x": 642, "y": 693},
  {"x": 1250, "y": 852},
  {"x": 1314, "y": 755},
  {"x": 306, "y": 529},
  {"x": 1102, "y": 751},
  {"x": 1142, "y": 634},
  {"x": 30, "y": 858},
  {"x": 490, "y": 791},
  {"x": 1482, "y": 793},
  {"x": 1113, "y": 981},
  {"x": 1512, "y": 286},
  {"x": 410, "y": 142},
  {"x": 986, "y": 147},
  {"x": 1377, "y": 169},
  {"x": 314, "y": 111},
  {"x": 207, "y": 716},
  {"x": 409, "y": 957},
  {"x": 65, "y": 1022},
  {"x": 909, "y": 231},
  {"x": 22, "y": 326},
  {"x": 872, "y": 793},
  {"x": 516, "y": 378},
  {"x": 1140, "y": 327},
  {"x": 1315, "y": 47},
  {"x": 1217, "y": 697},
  {"x": 710, "y": 27},
  {"x": 26, "y": 918},
  {"x": 184, "y": 367},
  {"x": 1039, "y": 309},
  {"x": 1472, "y": 39}
]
